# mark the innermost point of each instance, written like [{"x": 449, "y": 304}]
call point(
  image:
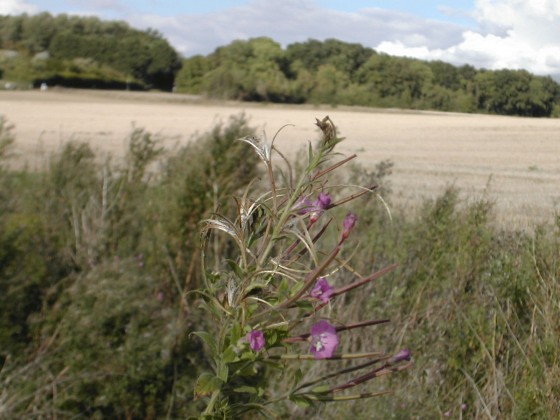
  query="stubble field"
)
[{"x": 513, "y": 161}]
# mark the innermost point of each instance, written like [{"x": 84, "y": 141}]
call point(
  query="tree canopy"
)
[
  {"x": 87, "y": 51},
  {"x": 337, "y": 72}
]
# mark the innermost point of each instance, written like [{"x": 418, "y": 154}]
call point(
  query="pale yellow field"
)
[{"x": 514, "y": 161}]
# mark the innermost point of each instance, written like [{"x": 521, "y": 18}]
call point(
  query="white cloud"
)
[
  {"x": 507, "y": 33},
  {"x": 292, "y": 21},
  {"x": 514, "y": 34},
  {"x": 16, "y": 7}
]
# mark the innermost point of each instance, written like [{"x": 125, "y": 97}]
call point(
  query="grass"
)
[{"x": 96, "y": 258}]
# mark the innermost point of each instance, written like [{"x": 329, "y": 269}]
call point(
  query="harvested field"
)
[{"x": 513, "y": 161}]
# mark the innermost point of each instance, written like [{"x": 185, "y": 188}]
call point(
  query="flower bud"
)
[
  {"x": 348, "y": 224},
  {"x": 322, "y": 290},
  {"x": 404, "y": 354}
]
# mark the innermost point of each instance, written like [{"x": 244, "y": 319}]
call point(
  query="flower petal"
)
[
  {"x": 256, "y": 340},
  {"x": 323, "y": 340}
]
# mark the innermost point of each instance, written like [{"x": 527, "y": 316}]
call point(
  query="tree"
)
[
  {"x": 345, "y": 57},
  {"x": 190, "y": 78},
  {"x": 329, "y": 83}
]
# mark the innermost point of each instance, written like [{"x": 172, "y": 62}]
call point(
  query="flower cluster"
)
[{"x": 281, "y": 281}]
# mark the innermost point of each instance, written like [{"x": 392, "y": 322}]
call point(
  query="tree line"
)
[
  {"x": 86, "y": 51},
  {"x": 336, "y": 72},
  {"x": 91, "y": 53}
]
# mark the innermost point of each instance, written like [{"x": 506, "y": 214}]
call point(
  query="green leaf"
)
[
  {"x": 300, "y": 401},
  {"x": 223, "y": 372},
  {"x": 283, "y": 289},
  {"x": 305, "y": 305},
  {"x": 321, "y": 389},
  {"x": 236, "y": 269},
  {"x": 271, "y": 337},
  {"x": 235, "y": 333},
  {"x": 248, "y": 370},
  {"x": 246, "y": 390},
  {"x": 211, "y": 308},
  {"x": 206, "y": 384},
  {"x": 298, "y": 375},
  {"x": 229, "y": 355},
  {"x": 254, "y": 286},
  {"x": 208, "y": 339}
]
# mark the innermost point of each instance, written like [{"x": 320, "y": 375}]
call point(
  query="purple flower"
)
[
  {"x": 322, "y": 290},
  {"x": 319, "y": 206},
  {"x": 303, "y": 205},
  {"x": 323, "y": 340},
  {"x": 323, "y": 201},
  {"x": 348, "y": 224},
  {"x": 256, "y": 340},
  {"x": 400, "y": 356},
  {"x": 316, "y": 208}
]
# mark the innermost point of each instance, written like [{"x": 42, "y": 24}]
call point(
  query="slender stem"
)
[
  {"x": 304, "y": 337},
  {"x": 359, "y": 283},
  {"x": 210, "y": 407},
  {"x": 343, "y": 356},
  {"x": 348, "y": 397},
  {"x": 339, "y": 372},
  {"x": 333, "y": 167}
]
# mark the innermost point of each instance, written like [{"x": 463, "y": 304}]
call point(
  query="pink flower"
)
[
  {"x": 319, "y": 206},
  {"x": 348, "y": 224},
  {"x": 323, "y": 201},
  {"x": 303, "y": 205},
  {"x": 400, "y": 356},
  {"x": 322, "y": 290},
  {"x": 256, "y": 340},
  {"x": 323, "y": 340}
]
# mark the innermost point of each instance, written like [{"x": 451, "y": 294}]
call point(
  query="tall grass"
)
[{"x": 96, "y": 257}]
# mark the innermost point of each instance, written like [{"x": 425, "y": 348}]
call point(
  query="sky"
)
[{"x": 492, "y": 34}]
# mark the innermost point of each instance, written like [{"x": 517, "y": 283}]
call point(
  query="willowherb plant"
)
[{"x": 276, "y": 286}]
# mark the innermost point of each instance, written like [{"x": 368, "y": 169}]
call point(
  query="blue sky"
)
[{"x": 516, "y": 34}]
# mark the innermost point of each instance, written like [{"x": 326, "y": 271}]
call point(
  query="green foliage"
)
[
  {"x": 262, "y": 298},
  {"x": 190, "y": 77},
  {"x": 335, "y": 72},
  {"x": 97, "y": 257},
  {"x": 6, "y": 137},
  {"x": 312, "y": 54},
  {"x": 476, "y": 300},
  {"x": 117, "y": 54},
  {"x": 196, "y": 180},
  {"x": 95, "y": 322}
]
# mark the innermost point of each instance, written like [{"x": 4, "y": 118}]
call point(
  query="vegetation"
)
[
  {"x": 271, "y": 300},
  {"x": 97, "y": 257},
  {"x": 335, "y": 72},
  {"x": 84, "y": 52},
  {"x": 89, "y": 53}
]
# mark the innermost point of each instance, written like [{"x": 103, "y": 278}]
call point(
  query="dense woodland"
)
[
  {"x": 335, "y": 72},
  {"x": 84, "y": 52},
  {"x": 90, "y": 53}
]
